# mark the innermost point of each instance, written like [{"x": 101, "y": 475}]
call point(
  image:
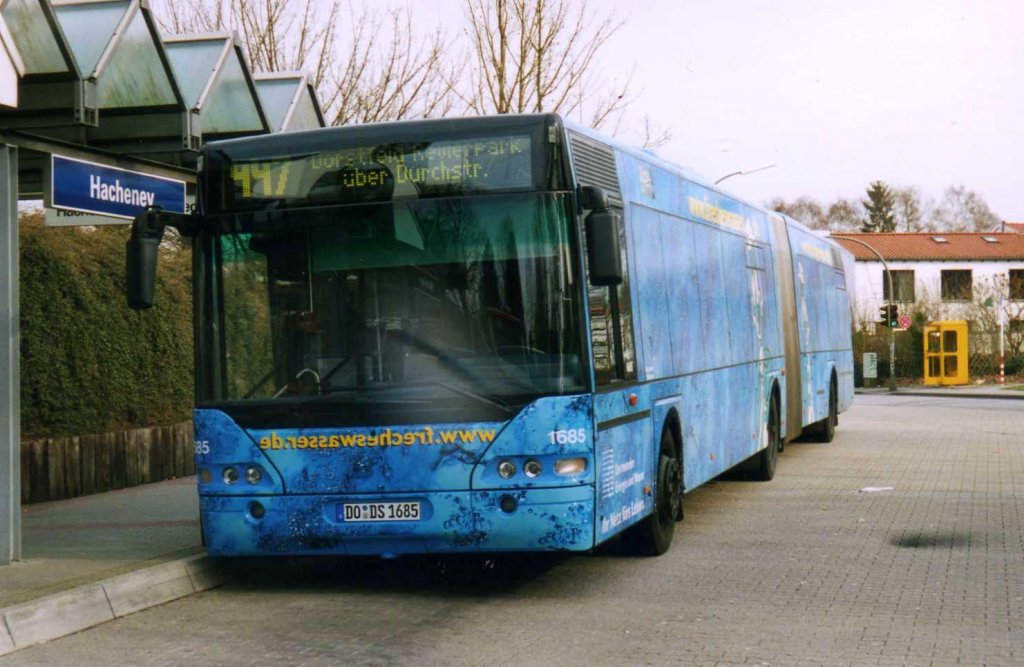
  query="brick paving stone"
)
[{"x": 805, "y": 570}]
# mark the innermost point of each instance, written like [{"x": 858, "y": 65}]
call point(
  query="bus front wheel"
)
[{"x": 653, "y": 535}]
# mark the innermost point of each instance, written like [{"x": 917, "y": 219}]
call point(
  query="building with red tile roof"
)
[
  {"x": 938, "y": 246},
  {"x": 952, "y": 273}
]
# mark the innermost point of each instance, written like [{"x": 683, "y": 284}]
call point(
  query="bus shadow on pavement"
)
[{"x": 459, "y": 574}]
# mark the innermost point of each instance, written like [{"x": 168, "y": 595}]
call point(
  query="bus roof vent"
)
[{"x": 595, "y": 165}]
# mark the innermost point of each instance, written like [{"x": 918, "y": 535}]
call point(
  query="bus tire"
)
[
  {"x": 653, "y": 535},
  {"x": 827, "y": 426},
  {"x": 769, "y": 457}
]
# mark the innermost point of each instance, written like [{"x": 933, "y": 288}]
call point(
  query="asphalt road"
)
[{"x": 807, "y": 569}]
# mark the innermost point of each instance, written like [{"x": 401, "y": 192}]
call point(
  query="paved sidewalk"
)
[
  {"x": 68, "y": 543},
  {"x": 91, "y": 559}
]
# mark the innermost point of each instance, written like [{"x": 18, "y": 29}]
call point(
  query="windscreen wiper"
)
[{"x": 501, "y": 405}]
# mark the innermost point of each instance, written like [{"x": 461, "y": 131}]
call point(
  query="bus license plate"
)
[{"x": 404, "y": 511}]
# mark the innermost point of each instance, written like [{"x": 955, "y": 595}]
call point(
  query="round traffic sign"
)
[{"x": 904, "y": 321}]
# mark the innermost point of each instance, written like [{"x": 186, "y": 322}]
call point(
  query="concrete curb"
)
[
  {"x": 1000, "y": 395},
  {"x": 61, "y": 614},
  {"x": 1007, "y": 396}
]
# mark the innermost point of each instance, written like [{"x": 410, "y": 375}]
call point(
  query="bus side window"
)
[
  {"x": 601, "y": 334},
  {"x": 611, "y": 325}
]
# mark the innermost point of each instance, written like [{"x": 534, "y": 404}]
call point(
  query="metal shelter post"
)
[
  {"x": 10, "y": 400},
  {"x": 95, "y": 84}
]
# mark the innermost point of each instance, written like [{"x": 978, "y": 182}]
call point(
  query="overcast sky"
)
[{"x": 836, "y": 93}]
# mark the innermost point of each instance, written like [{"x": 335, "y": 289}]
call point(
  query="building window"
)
[
  {"x": 902, "y": 285},
  {"x": 956, "y": 285},
  {"x": 1017, "y": 284}
]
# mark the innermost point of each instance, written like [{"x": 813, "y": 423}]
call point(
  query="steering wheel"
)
[{"x": 299, "y": 386}]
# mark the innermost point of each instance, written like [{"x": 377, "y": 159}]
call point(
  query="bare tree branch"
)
[
  {"x": 539, "y": 55},
  {"x": 654, "y": 136},
  {"x": 372, "y": 67}
]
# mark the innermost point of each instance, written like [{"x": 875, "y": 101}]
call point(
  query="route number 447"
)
[{"x": 567, "y": 436}]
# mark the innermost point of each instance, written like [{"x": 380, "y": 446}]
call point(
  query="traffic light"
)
[{"x": 890, "y": 315}]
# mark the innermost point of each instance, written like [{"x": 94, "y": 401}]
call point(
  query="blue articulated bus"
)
[{"x": 487, "y": 334}]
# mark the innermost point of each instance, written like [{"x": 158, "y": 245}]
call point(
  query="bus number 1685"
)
[{"x": 567, "y": 436}]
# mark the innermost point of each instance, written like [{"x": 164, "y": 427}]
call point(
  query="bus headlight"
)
[
  {"x": 230, "y": 475},
  {"x": 506, "y": 469},
  {"x": 573, "y": 466},
  {"x": 253, "y": 475},
  {"x": 532, "y": 468}
]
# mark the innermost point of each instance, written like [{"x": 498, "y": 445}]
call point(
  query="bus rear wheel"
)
[
  {"x": 653, "y": 535},
  {"x": 827, "y": 426},
  {"x": 769, "y": 456}
]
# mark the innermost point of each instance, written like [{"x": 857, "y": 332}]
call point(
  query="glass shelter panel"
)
[
  {"x": 232, "y": 106},
  {"x": 190, "y": 58},
  {"x": 89, "y": 28},
  {"x": 135, "y": 75},
  {"x": 32, "y": 36},
  {"x": 305, "y": 116},
  {"x": 277, "y": 95}
]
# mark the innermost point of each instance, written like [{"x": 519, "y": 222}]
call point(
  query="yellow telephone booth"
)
[{"x": 945, "y": 353}]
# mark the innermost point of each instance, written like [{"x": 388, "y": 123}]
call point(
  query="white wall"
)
[{"x": 927, "y": 284}]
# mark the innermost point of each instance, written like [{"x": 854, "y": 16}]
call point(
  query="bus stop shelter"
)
[{"x": 93, "y": 84}]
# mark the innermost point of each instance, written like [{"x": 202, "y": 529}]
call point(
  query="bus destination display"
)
[{"x": 386, "y": 171}]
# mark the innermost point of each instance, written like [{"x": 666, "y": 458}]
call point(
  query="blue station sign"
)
[{"x": 77, "y": 185}]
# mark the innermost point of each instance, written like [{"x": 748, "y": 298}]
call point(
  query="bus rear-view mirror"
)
[
  {"x": 143, "y": 248},
  {"x": 603, "y": 251},
  {"x": 141, "y": 252}
]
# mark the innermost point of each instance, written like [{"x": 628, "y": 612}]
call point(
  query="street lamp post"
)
[
  {"x": 744, "y": 173},
  {"x": 892, "y": 296}
]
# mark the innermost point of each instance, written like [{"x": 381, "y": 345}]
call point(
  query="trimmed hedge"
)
[{"x": 88, "y": 363}]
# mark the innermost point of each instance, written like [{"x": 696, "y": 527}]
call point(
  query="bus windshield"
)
[{"x": 467, "y": 300}]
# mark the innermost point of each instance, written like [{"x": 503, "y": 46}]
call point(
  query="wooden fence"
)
[{"x": 58, "y": 468}]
